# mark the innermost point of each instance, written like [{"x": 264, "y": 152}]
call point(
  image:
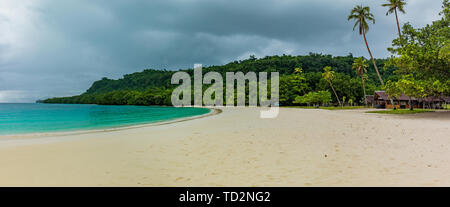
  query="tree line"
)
[
  {"x": 421, "y": 56},
  {"x": 152, "y": 87}
]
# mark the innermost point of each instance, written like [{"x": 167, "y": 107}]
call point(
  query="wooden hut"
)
[{"x": 382, "y": 100}]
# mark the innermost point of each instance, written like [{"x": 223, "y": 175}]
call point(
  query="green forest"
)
[
  {"x": 419, "y": 67},
  {"x": 152, "y": 87}
]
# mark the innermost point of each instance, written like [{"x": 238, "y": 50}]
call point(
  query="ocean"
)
[{"x": 40, "y": 118}]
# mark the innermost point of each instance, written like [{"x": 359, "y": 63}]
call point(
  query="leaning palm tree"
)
[
  {"x": 361, "y": 15},
  {"x": 395, "y": 5},
  {"x": 328, "y": 75},
  {"x": 360, "y": 65}
]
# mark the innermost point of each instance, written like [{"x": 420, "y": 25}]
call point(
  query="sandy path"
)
[{"x": 302, "y": 147}]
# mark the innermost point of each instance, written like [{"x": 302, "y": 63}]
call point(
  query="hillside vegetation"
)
[{"x": 152, "y": 87}]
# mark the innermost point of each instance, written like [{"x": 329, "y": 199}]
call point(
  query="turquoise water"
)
[{"x": 36, "y": 118}]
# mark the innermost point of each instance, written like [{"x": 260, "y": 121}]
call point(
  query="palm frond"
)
[
  {"x": 361, "y": 14},
  {"x": 393, "y": 5},
  {"x": 356, "y": 24}
]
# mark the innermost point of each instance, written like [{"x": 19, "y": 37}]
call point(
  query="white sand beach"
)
[{"x": 302, "y": 147}]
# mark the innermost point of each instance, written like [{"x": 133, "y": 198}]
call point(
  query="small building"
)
[
  {"x": 447, "y": 100},
  {"x": 434, "y": 102},
  {"x": 382, "y": 100},
  {"x": 370, "y": 100}
]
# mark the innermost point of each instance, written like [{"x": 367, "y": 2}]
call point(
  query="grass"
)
[
  {"x": 401, "y": 111},
  {"x": 328, "y": 107}
]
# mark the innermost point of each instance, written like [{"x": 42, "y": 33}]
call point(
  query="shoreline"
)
[{"x": 213, "y": 111}]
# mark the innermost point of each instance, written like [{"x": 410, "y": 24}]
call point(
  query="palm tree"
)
[
  {"x": 298, "y": 70},
  {"x": 360, "y": 65},
  {"x": 395, "y": 5},
  {"x": 328, "y": 75},
  {"x": 361, "y": 15}
]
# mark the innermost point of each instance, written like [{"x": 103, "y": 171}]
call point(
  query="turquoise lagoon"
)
[{"x": 39, "y": 118}]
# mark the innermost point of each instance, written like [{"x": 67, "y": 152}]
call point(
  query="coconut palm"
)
[
  {"x": 361, "y": 15},
  {"x": 360, "y": 65},
  {"x": 395, "y": 5},
  {"x": 298, "y": 71},
  {"x": 328, "y": 74}
]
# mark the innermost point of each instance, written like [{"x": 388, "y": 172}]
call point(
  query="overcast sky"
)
[{"x": 59, "y": 47}]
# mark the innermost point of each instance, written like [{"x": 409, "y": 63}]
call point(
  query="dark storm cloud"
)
[{"x": 54, "y": 48}]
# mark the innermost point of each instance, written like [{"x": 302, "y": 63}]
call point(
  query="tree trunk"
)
[
  {"x": 371, "y": 57},
  {"x": 398, "y": 27},
  {"x": 337, "y": 97},
  {"x": 410, "y": 106},
  {"x": 364, "y": 90},
  {"x": 375, "y": 65}
]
